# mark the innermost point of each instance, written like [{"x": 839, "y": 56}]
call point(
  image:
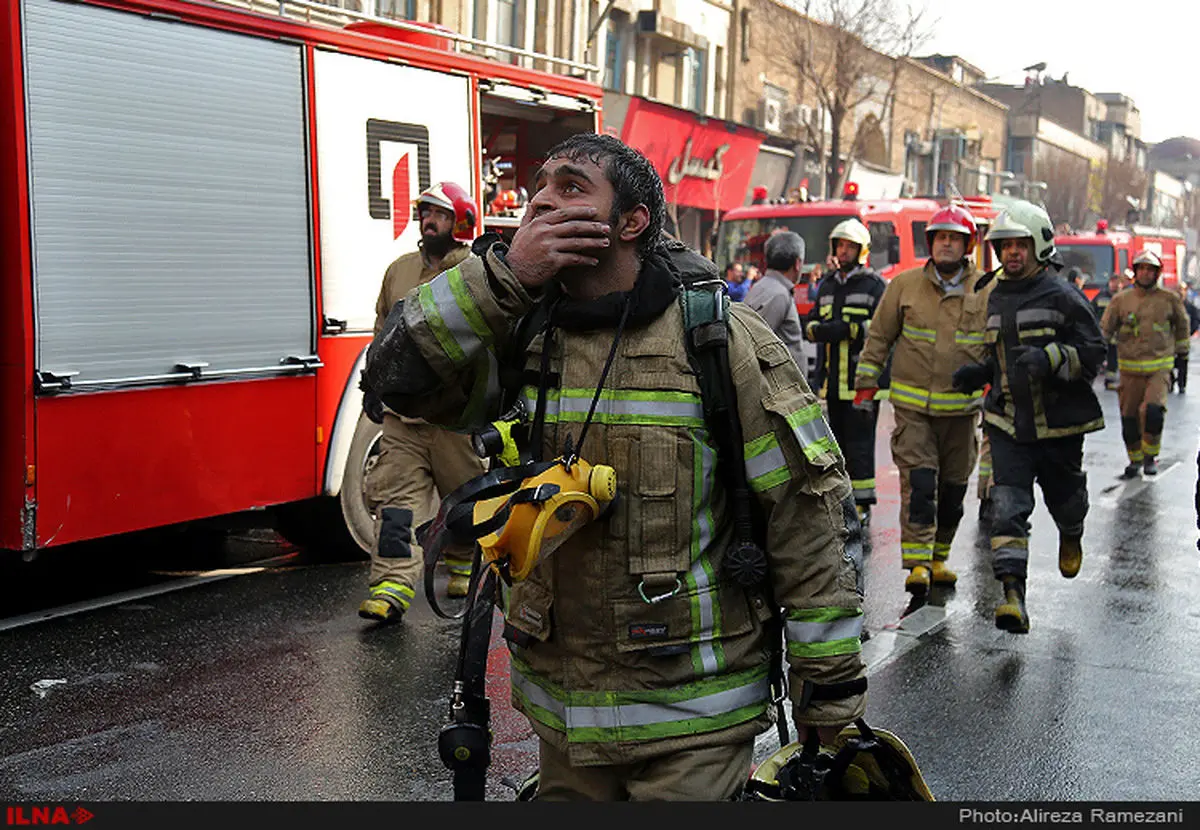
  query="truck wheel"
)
[{"x": 364, "y": 450}]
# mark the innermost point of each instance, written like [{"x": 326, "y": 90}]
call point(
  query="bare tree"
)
[
  {"x": 845, "y": 52},
  {"x": 1122, "y": 181}
]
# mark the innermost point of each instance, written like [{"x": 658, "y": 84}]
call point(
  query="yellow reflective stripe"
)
[
  {"x": 824, "y": 632},
  {"x": 868, "y": 371},
  {"x": 1157, "y": 364},
  {"x": 915, "y": 552},
  {"x": 1031, "y": 333},
  {"x": 811, "y": 431},
  {"x": 1182, "y": 344},
  {"x": 916, "y": 333},
  {"x": 969, "y": 337},
  {"x": 766, "y": 466}
]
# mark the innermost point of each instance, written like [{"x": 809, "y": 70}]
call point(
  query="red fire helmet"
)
[
  {"x": 952, "y": 218},
  {"x": 455, "y": 199}
]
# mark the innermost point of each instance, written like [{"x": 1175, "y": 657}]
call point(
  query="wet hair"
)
[
  {"x": 632, "y": 176},
  {"x": 783, "y": 249}
]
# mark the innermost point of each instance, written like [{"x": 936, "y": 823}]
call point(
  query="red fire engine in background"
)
[
  {"x": 198, "y": 206},
  {"x": 897, "y": 228},
  {"x": 1107, "y": 251}
]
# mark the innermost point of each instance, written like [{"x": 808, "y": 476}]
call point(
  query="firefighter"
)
[
  {"x": 641, "y": 665},
  {"x": 1100, "y": 304},
  {"x": 1044, "y": 351},
  {"x": 416, "y": 459},
  {"x": 933, "y": 318},
  {"x": 1152, "y": 331},
  {"x": 839, "y": 320}
]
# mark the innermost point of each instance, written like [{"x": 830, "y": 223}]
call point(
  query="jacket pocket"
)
[
  {"x": 653, "y": 508},
  {"x": 686, "y": 619},
  {"x": 529, "y": 605}
]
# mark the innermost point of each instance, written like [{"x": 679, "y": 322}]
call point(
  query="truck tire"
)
[{"x": 356, "y": 512}]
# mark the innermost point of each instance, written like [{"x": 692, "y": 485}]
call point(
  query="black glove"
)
[
  {"x": 831, "y": 331},
  {"x": 1033, "y": 359},
  {"x": 1181, "y": 363},
  {"x": 972, "y": 376}
]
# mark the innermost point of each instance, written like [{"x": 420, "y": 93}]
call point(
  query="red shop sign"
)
[{"x": 704, "y": 165}]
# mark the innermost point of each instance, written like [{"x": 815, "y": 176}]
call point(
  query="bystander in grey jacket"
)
[{"x": 771, "y": 296}]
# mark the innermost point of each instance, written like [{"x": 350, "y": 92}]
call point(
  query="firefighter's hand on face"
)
[
  {"x": 972, "y": 376},
  {"x": 547, "y": 242},
  {"x": 1033, "y": 359}
]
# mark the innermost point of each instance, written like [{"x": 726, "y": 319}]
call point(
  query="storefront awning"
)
[{"x": 704, "y": 162}]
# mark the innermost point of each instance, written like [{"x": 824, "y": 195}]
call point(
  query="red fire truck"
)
[
  {"x": 1107, "y": 251},
  {"x": 198, "y": 205},
  {"x": 897, "y": 228}
]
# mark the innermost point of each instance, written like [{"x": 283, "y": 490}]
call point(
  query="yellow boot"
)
[
  {"x": 1070, "y": 556},
  {"x": 917, "y": 582},
  {"x": 379, "y": 609},
  {"x": 1010, "y": 614},
  {"x": 942, "y": 575},
  {"x": 458, "y": 585}
]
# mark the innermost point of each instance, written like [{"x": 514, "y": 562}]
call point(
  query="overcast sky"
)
[{"x": 1148, "y": 50}]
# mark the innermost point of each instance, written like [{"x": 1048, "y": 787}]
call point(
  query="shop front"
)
[{"x": 705, "y": 163}]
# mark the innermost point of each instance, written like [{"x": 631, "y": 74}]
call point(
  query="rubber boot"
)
[
  {"x": 1150, "y": 465},
  {"x": 381, "y": 610},
  {"x": 942, "y": 575},
  {"x": 864, "y": 514},
  {"x": 1010, "y": 614},
  {"x": 1070, "y": 556},
  {"x": 985, "y": 510},
  {"x": 458, "y": 585},
  {"x": 1131, "y": 470},
  {"x": 917, "y": 582}
]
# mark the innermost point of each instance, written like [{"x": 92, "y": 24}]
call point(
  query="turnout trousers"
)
[
  {"x": 1056, "y": 464},
  {"x": 854, "y": 429},
  {"x": 418, "y": 465},
  {"x": 1143, "y": 400},
  {"x": 715, "y": 773},
  {"x": 935, "y": 457}
]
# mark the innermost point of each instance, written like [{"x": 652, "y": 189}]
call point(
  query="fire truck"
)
[
  {"x": 897, "y": 228},
  {"x": 1106, "y": 251},
  {"x": 198, "y": 204}
]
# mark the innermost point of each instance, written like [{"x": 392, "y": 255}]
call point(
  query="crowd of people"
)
[{"x": 649, "y": 644}]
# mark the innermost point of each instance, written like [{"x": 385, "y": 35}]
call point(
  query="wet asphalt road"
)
[{"x": 263, "y": 684}]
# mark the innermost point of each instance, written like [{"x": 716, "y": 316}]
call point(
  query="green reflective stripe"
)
[
  {"x": 953, "y": 401},
  {"x": 868, "y": 371},
  {"x": 401, "y": 593},
  {"x": 766, "y": 466},
  {"x": 916, "y": 552},
  {"x": 472, "y": 316},
  {"x": 433, "y": 318},
  {"x": 832, "y": 648},
  {"x": 1149, "y": 448},
  {"x": 862, "y": 483},
  {"x": 1183, "y": 344},
  {"x": 621, "y": 406},
  {"x": 928, "y": 335},
  {"x": 1030, "y": 333},
  {"x": 1146, "y": 367},
  {"x": 1163, "y": 327},
  {"x": 708, "y": 655},
  {"x": 902, "y": 393},
  {"x": 941, "y": 550},
  {"x": 810, "y": 429},
  {"x": 459, "y": 567},
  {"x": 852, "y": 311},
  {"x": 1136, "y": 456},
  {"x": 819, "y": 627},
  {"x": 704, "y": 705},
  {"x": 969, "y": 337}
]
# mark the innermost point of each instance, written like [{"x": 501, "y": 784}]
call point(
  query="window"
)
[
  {"x": 881, "y": 235},
  {"x": 745, "y": 35},
  {"x": 614, "y": 54},
  {"x": 697, "y": 80},
  {"x": 1122, "y": 260},
  {"x": 506, "y": 22},
  {"x": 403, "y": 9},
  {"x": 920, "y": 243}
]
